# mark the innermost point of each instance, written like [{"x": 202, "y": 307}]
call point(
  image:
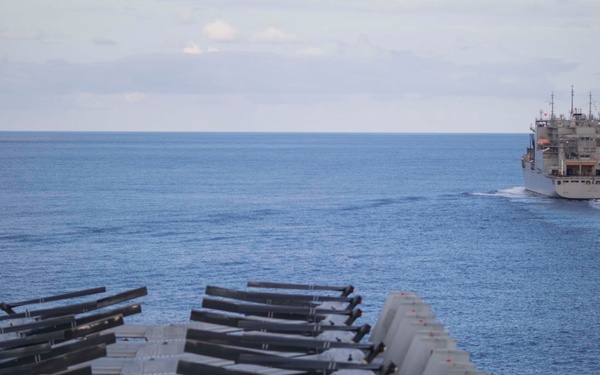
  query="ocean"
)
[{"x": 514, "y": 277}]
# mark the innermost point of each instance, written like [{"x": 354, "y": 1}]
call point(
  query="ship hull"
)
[
  {"x": 560, "y": 187},
  {"x": 539, "y": 183}
]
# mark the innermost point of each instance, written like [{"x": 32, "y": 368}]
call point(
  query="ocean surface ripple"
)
[{"x": 513, "y": 276}]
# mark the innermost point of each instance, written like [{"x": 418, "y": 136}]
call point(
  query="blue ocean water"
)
[{"x": 514, "y": 277}]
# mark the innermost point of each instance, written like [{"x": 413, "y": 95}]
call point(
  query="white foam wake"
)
[
  {"x": 514, "y": 192},
  {"x": 595, "y": 203}
]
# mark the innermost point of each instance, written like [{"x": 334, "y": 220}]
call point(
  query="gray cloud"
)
[
  {"x": 274, "y": 35},
  {"x": 22, "y": 34},
  {"x": 396, "y": 75},
  {"x": 104, "y": 41}
]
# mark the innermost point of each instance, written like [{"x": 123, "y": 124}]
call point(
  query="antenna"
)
[
  {"x": 572, "y": 94},
  {"x": 590, "y": 105},
  {"x": 552, "y": 105}
]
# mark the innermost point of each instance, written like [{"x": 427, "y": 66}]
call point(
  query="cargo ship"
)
[{"x": 561, "y": 160}]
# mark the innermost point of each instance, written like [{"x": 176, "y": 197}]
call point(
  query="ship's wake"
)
[
  {"x": 595, "y": 203},
  {"x": 519, "y": 192},
  {"x": 514, "y": 192}
]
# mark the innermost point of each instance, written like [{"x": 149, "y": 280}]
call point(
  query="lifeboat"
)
[{"x": 543, "y": 142}]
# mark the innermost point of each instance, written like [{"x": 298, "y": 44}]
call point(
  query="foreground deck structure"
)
[{"x": 269, "y": 328}]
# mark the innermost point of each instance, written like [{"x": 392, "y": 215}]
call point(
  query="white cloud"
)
[
  {"x": 187, "y": 17},
  {"x": 192, "y": 48},
  {"x": 274, "y": 35},
  {"x": 212, "y": 49},
  {"x": 133, "y": 97},
  {"x": 220, "y": 31}
]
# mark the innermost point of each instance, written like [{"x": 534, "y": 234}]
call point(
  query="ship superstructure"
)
[{"x": 562, "y": 158}]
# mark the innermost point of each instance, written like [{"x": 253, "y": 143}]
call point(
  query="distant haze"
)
[{"x": 294, "y": 66}]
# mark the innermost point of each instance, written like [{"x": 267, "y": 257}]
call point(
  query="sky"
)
[{"x": 416, "y": 66}]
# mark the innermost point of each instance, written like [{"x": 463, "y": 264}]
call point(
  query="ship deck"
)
[{"x": 265, "y": 329}]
